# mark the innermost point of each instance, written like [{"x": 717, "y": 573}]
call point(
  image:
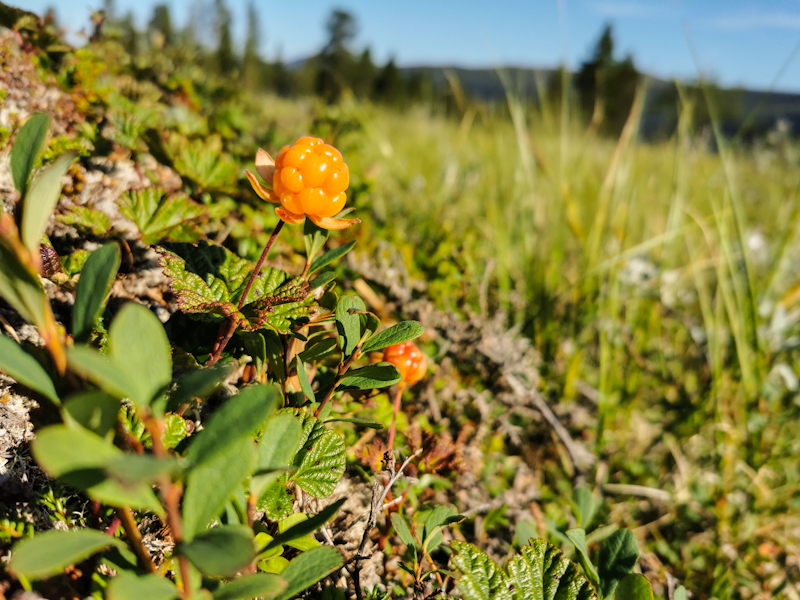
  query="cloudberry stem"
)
[
  {"x": 227, "y": 330},
  {"x": 397, "y": 397},
  {"x": 260, "y": 263}
]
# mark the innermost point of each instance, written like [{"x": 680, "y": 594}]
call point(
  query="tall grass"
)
[{"x": 651, "y": 272}]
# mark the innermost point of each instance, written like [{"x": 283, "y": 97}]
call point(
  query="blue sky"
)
[{"x": 737, "y": 42}]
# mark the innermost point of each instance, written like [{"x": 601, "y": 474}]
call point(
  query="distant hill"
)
[{"x": 486, "y": 85}]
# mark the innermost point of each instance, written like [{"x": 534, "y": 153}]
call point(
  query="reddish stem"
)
[{"x": 226, "y": 330}]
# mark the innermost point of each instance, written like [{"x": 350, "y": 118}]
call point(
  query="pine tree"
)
[
  {"x": 226, "y": 59},
  {"x": 252, "y": 66}
]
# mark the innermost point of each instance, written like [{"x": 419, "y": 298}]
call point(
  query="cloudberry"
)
[
  {"x": 409, "y": 361},
  {"x": 308, "y": 179}
]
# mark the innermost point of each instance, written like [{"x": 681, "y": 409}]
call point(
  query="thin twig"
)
[{"x": 125, "y": 516}]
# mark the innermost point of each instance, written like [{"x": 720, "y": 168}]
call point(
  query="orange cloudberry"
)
[
  {"x": 409, "y": 361},
  {"x": 308, "y": 179}
]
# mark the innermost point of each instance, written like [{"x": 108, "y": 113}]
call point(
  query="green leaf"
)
[
  {"x": 377, "y": 375},
  {"x": 221, "y": 551},
  {"x": 203, "y": 161},
  {"x": 276, "y": 500},
  {"x": 80, "y": 458},
  {"x": 198, "y": 384},
  {"x": 309, "y": 568},
  {"x": 160, "y": 215},
  {"x": 94, "y": 410},
  {"x": 276, "y": 449},
  {"x": 305, "y": 384},
  {"x": 363, "y": 422},
  {"x": 321, "y": 280},
  {"x": 307, "y": 526},
  {"x": 50, "y": 552},
  {"x": 212, "y": 483},
  {"x": 210, "y": 280},
  {"x": 276, "y": 564},
  {"x": 680, "y": 593},
  {"x": 41, "y": 199},
  {"x": 618, "y": 555},
  {"x": 634, "y": 587},
  {"x": 578, "y": 539},
  {"x": 318, "y": 350},
  {"x": 127, "y": 586},
  {"x": 481, "y": 577},
  {"x": 396, "y": 334},
  {"x": 85, "y": 219},
  {"x": 239, "y": 418},
  {"x": 432, "y": 528},
  {"x": 542, "y": 571},
  {"x": 330, "y": 256},
  {"x": 320, "y": 459},
  {"x": 314, "y": 238},
  {"x": 137, "y": 342},
  {"x": 131, "y": 469},
  {"x": 402, "y": 529},
  {"x": 25, "y": 369},
  {"x": 585, "y": 506},
  {"x": 100, "y": 370},
  {"x": 174, "y": 431},
  {"x": 26, "y": 149},
  {"x": 302, "y": 543},
  {"x": 257, "y": 585},
  {"x": 94, "y": 285},
  {"x": 348, "y": 322},
  {"x": 539, "y": 572}
]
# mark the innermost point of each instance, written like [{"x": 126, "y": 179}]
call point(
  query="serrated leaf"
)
[
  {"x": 94, "y": 410},
  {"x": 481, "y": 577},
  {"x": 306, "y": 526},
  {"x": 308, "y": 568},
  {"x": 138, "y": 344},
  {"x": 578, "y": 539},
  {"x": 210, "y": 280},
  {"x": 160, "y": 215},
  {"x": 396, "y": 334},
  {"x": 539, "y": 572},
  {"x": 402, "y": 529},
  {"x": 330, "y": 256},
  {"x": 377, "y": 375},
  {"x": 50, "y": 552},
  {"x": 41, "y": 199},
  {"x": 127, "y": 586},
  {"x": 85, "y": 219},
  {"x": 211, "y": 484},
  {"x": 80, "y": 458},
  {"x": 25, "y": 369},
  {"x": 257, "y": 585},
  {"x": 618, "y": 555},
  {"x": 348, "y": 322},
  {"x": 203, "y": 161},
  {"x": 26, "y": 149},
  {"x": 94, "y": 285},
  {"x": 221, "y": 551},
  {"x": 276, "y": 501},
  {"x": 239, "y": 418},
  {"x": 320, "y": 458},
  {"x": 633, "y": 587}
]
